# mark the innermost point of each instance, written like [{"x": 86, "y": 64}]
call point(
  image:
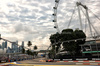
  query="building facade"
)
[{"x": 91, "y": 47}]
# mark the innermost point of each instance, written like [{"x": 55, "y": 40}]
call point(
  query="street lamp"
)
[{"x": 96, "y": 45}]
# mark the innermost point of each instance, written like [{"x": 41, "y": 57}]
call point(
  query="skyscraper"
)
[
  {"x": 3, "y": 45},
  {"x": 20, "y": 48},
  {"x": 16, "y": 46},
  {"x": 13, "y": 47},
  {"x": 17, "y": 42},
  {"x": 0, "y": 46},
  {"x": 9, "y": 50},
  {"x": 22, "y": 44}
]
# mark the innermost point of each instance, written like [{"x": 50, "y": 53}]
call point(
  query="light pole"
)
[
  {"x": 97, "y": 50},
  {"x": 96, "y": 45}
]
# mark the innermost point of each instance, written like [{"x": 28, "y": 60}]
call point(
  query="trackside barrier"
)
[
  {"x": 77, "y": 61},
  {"x": 85, "y": 59},
  {"x": 87, "y": 63},
  {"x": 84, "y": 62},
  {"x": 70, "y": 60}
]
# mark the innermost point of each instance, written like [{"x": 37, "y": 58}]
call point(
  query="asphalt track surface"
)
[{"x": 36, "y": 62}]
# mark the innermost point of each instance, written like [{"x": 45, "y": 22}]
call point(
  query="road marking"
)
[
  {"x": 79, "y": 63},
  {"x": 70, "y": 61},
  {"x": 61, "y": 61},
  {"x": 54, "y": 65},
  {"x": 91, "y": 61},
  {"x": 87, "y": 63},
  {"x": 97, "y": 61},
  {"x": 65, "y": 61},
  {"x": 75, "y": 61}
]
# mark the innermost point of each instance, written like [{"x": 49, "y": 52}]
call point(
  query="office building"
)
[
  {"x": 92, "y": 47},
  {"x": 22, "y": 44},
  {"x": 3, "y": 45},
  {"x": 9, "y": 50},
  {"x": 0, "y": 47},
  {"x": 20, "y": 48}
]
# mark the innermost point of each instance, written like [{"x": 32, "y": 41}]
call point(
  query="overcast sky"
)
[{"x": 25, "y": 20}]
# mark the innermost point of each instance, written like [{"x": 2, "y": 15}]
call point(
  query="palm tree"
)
[
  {"x": 23, "y": 50},
  {"x": 28, "y": 51},
  {"x": 35, "y": 47},
  {"x": 29, "y": 43}
]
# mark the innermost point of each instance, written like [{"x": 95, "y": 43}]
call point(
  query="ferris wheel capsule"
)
[
  {"x": 56, "y": 1},
  {"x": 54, "y": 7},
  {"x": 55, "y": 26},
  {"x": 54, "y": 14},
  {"x": 54, "y": 20}
]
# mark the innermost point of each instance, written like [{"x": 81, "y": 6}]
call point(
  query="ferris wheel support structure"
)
[
  {"x": 79, "y": 15},
  {"x": 55, "y": 16},
  {"x": 87, "y": 16}
]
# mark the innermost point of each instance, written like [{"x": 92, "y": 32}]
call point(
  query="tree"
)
[
  {"x": 68, "y": 34},
  {"x": 55, "y": 42},
  {"x": 70, "y": 46},
  {"x": 29, "y": 52},
  {"x": 80, "y": 34},
  {"x": 29, "y": 43},
  {"x": 35, "y": 47},
  {"x": 35, "y": 53},
  {"x": 23, "y": 50}
]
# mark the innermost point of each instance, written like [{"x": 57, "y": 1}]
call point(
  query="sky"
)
[{"x": 31, "y": 20}]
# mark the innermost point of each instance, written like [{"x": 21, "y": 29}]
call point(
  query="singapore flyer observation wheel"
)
[{"x": 80, "y": 10}]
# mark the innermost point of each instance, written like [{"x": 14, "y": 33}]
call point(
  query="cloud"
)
[{"x": 25, "y": 20}]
